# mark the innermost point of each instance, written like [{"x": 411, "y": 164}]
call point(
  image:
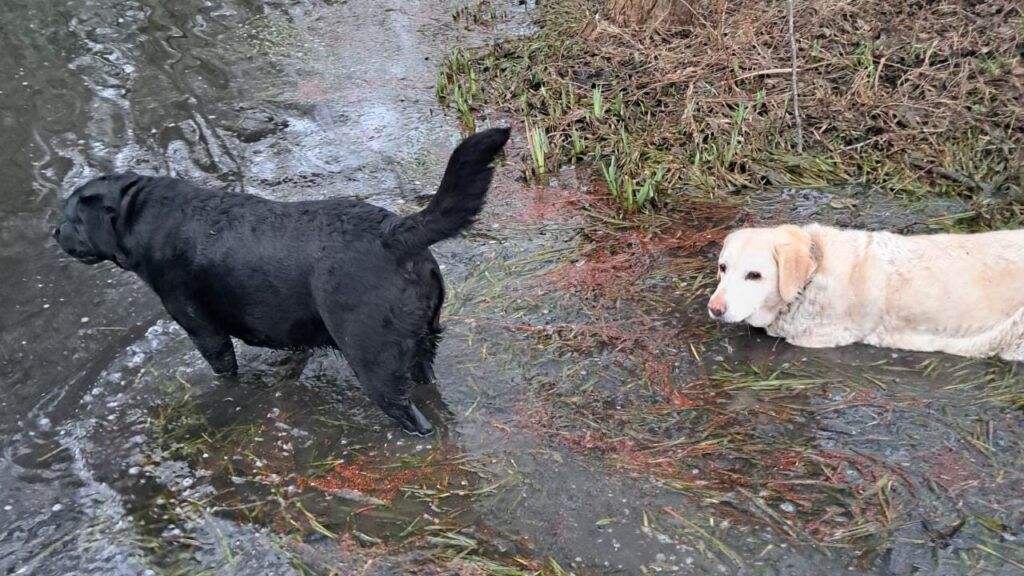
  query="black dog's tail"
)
[{"x": 459, "y": 198}]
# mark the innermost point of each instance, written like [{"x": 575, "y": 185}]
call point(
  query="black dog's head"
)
[{"x": 88, "y": 230}]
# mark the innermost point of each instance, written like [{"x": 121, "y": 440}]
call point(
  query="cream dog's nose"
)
[{"x": 716, "y": 306}]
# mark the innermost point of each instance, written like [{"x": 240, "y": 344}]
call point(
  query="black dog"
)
[{"x": 335, "y": 273}]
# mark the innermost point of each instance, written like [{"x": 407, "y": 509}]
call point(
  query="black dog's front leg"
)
[
  {"x": 218, "y": 351},
  {"x": 214, "y": 344}
]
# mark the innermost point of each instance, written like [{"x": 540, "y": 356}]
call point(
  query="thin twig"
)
[
  {"x": 763, "y": 73},
  {"x": 796, "y": 105}
]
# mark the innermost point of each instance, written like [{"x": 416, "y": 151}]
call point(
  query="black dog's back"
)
[{"x": 243, "y": 263}]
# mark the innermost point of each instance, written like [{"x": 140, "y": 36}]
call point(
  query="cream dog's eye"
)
[
  {"x": 753, "y": 275},
  {"x": 721, "y": 268}
]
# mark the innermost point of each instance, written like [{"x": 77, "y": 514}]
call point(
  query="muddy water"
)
[
  {"x": 285, "y": 99},
  {"x": 123, "y": 454}
]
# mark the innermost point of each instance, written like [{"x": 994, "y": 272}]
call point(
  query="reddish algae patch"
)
[{"x": 374, "y": 480}]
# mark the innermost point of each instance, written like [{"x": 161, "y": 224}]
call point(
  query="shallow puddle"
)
[{"x": 590, "y": 419}]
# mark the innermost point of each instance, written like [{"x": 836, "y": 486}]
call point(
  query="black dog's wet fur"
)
[{"x": 335, "y": 273}]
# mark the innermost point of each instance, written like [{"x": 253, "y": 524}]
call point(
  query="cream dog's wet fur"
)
[{"x": 818, "y": 286}]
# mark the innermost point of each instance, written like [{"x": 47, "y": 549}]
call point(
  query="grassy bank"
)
[{"x": 913, "y": 100}]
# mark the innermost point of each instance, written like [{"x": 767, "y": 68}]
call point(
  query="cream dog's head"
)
[{"x": 760, "y": 270}]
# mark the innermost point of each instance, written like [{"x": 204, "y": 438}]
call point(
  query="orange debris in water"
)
[
  {"x": 548, "y": 203},
  {"x": 376, "y": 481},
  {"x": 605, "y": 273}
]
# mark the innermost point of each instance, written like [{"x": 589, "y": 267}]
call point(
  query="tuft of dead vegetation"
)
[{"x": 910, "y": 97}]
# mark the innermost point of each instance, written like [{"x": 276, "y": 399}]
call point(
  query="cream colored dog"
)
[{"x": 818, "y": 286}]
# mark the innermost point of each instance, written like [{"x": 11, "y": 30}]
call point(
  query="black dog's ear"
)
[
  {"x": 105, "y": 200},
  {"x": 103, "y": 234},
  {"x": 127, "y": 184},
  {"x": 111, "y": 188}
]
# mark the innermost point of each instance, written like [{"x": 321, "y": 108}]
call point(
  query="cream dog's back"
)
[{"x": 956, "y": 283}]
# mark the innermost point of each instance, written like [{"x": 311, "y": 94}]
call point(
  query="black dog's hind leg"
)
[
  {"x": 422, "y": 370},
  {"x": 214, "y": 344},
  {"x": 387, "y": 384},
  {"x": 382, "y": 364}
]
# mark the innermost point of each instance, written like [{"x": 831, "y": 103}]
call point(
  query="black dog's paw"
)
[
  {"x": 420, "y": 433},
  {"x": 228, "y": 368},
  {"x": 411, "y": 419},
  {"x": 229, "y": 377}
]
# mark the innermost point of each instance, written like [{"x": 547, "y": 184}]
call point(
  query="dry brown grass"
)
[{"x": 910, "y": 96}]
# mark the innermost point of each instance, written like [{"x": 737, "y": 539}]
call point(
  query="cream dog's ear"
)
[{"x": 793, "y": 257}]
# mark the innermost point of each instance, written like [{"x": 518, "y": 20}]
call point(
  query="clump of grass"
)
[
  {"x": 578, "y": 145},
  {"x": 178, "y": 427},
  {"x": 481, "y": 13},
  {"x": 631, "y": 194},
  {"x": 1000, "y": 384},
  {"x": 540, "y": 149},
  {"x": 457, "y": 86},
  {"x": 708, "y": 107},
  {"x": 598, "y": 104}
]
